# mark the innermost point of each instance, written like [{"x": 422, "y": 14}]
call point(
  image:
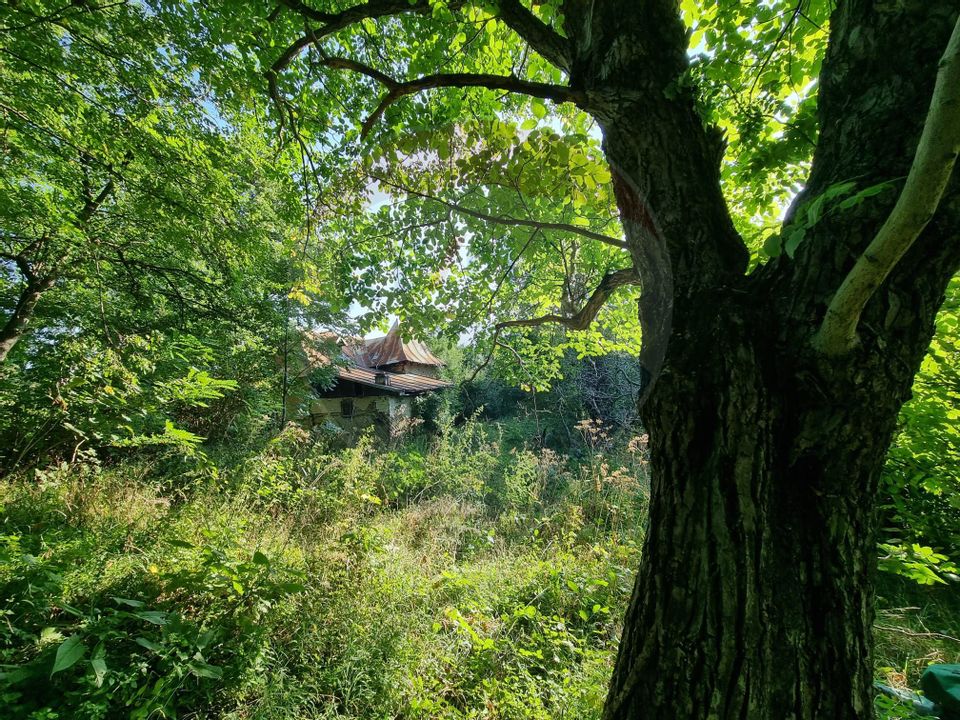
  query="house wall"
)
[{"x": 381, "y": 411}]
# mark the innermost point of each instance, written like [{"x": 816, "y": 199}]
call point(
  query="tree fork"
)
[
  {"x": 755, "y": 594},
  {"x": 925, "y": 184}
]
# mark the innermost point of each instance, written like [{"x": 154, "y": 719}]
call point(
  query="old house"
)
[{"x": 376, "y": 383}]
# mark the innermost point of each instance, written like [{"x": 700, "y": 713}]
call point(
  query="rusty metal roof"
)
[
  {"x": 399, "y": 383},
  {"x": 366, "y": 355},
  {"x": 391, "y": 349}
]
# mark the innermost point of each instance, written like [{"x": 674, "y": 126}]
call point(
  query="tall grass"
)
[
  {"x": 463, "y": 576},
  {"x": 451, "y": 578}
]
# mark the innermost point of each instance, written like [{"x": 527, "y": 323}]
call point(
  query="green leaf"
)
[
  {"x": 69, "y": 652},
  {"x": 18, "y": 674},
  {"x": 793, "y": 241},
  {"x": 149, "y": 644},
  {"x": 771, "y": 246},
  {"x": 99, "y": 664},
  {"x": 127, "y": 601},
  {"x": 157, "y": 617},
  {"x": 813, "y": 211},
  {"x": 201, "y": 669},
  {"x": 863, "y": 194}
]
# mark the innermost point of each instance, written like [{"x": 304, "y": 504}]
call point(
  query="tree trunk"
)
[
  {"x": 755, "y": 594},
  {"x": 754, "y": 599},
  {"x": 16, "y": 325}
]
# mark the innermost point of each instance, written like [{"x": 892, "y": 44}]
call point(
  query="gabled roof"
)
[{"x": 391, "y": 349}]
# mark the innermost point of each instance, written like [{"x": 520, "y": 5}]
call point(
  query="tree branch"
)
[
  {"x": 588, "y": 313},
  {"x": 542, "y": 38},
  {"x": 546, "y": 91},
  {"x": 579, "y": 321},
  {"x": 488, "y": 358},
  {"x": 932, "y": 166},
  {"x": 519, "y": 16},
  {"x": 506, "y": 273},
  {"x": 341, "y": 63},
  {"x": 332, "y": 22},
  {"x": 23, "y": 265},
  {"x": 94, "y": 204},
  {"x": 506, "y": 219}
]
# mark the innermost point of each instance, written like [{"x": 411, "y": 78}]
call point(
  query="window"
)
[{"x": 346, "y": 407}]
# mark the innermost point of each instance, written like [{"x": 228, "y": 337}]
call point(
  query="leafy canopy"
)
[{"x": 476, "y": 199}]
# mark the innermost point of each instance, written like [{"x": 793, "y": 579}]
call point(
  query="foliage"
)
[
  {"x": 489, "y": 589},
  {"x": 109, "y": 629},
  {"x": 304, "y": 582},
  {"x": 477, "y": 206},
  {"x": 424, "y": 218},
  {"x": 184, "y": 212},
  {"x": 921, "y": 479},
  {"x": 167, "y": 239},
  {"x": 121, "y": 396},
  {"x": 755, "y": 71}
]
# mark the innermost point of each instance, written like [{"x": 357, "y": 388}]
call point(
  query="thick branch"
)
[
  {"x": 542, "y": 38},
  {"x": 588, "y": 313},
  {"x": 579, "y": 321},
  {"x": 36, "y": 285},
  {"x": 341, "y": 63},
  {"x": 334, "y": 22},
  {"x": 932, "y": 166},
  {"x": 23, "y": 265},
  {"x": 546, "y": 91},
  {"x": 16, "y": 325},
  {"x": 506, "y": 219},
  {"x": 356, "y": 13},
  {"x": 398, "y": 89},
  {"x": 94, "y": 204}
]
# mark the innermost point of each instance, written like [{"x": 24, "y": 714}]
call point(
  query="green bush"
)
[
  {"x": 452, "y": 578},
  {"x": 444, "y": 577}
]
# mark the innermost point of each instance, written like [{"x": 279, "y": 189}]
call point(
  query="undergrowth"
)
[
  {"x": 444, "y": 578},
  {"x": 453, "y": 577}
]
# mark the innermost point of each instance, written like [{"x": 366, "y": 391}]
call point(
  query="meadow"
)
[{"x": 456, "y": 575}]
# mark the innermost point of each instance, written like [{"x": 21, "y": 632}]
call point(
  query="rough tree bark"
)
[{"x": 755, "y": 594}]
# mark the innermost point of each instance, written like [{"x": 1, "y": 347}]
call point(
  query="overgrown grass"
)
[
  {"x": 460, "y": 577},
  {"x": 451, "y": 579}
]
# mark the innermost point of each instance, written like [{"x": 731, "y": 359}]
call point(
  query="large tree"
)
[
  {"x": 150, "y": 237},
  {"x": 126, "y": 183},
  {"x": 775, "y": 384}
]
